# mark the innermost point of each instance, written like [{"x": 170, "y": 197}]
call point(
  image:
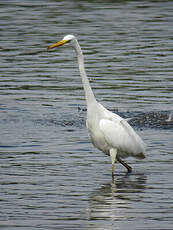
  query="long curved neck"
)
[{"x": 89, "y": 95}]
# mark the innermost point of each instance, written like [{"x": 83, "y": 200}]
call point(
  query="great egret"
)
[{"x": 107, "y": 131}]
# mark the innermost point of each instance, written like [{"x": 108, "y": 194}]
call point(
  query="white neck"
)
[{"x": 87, "y": 88}]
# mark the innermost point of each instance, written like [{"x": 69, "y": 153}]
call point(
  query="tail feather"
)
[{"x": 140, "y": 156}]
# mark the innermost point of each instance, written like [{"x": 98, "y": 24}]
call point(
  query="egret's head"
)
[{"x": 67, "y": 39}]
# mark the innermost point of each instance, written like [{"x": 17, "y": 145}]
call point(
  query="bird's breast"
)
[{"x": 97, "y": 138}]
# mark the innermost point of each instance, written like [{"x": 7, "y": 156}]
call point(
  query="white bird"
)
[{"x": 107, "y": 131}]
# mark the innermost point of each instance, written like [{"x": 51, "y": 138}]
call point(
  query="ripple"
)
[{"x": 51, "y": 176}]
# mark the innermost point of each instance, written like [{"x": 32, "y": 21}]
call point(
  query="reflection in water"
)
[{"x": 112, "y": 201}]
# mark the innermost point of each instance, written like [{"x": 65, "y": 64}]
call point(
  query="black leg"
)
[{"x": 128, "y": 167}]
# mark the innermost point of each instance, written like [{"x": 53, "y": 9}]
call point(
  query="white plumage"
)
[{"x": 107, "y": 131}]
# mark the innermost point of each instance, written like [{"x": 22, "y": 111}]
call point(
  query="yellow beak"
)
[{"x": 62, "y": 42}]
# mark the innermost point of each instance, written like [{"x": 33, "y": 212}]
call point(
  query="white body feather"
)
[{"x": 108, "y": 130}]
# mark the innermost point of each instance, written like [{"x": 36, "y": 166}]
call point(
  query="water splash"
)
[
  {"x": 170, "y": 117},
  {"x": 139, "y": 120}
]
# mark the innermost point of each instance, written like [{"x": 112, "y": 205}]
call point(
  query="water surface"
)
[{"x": 51, "y": 175}]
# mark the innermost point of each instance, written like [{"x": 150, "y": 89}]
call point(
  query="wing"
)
[{"x": 120, "y": 135}]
